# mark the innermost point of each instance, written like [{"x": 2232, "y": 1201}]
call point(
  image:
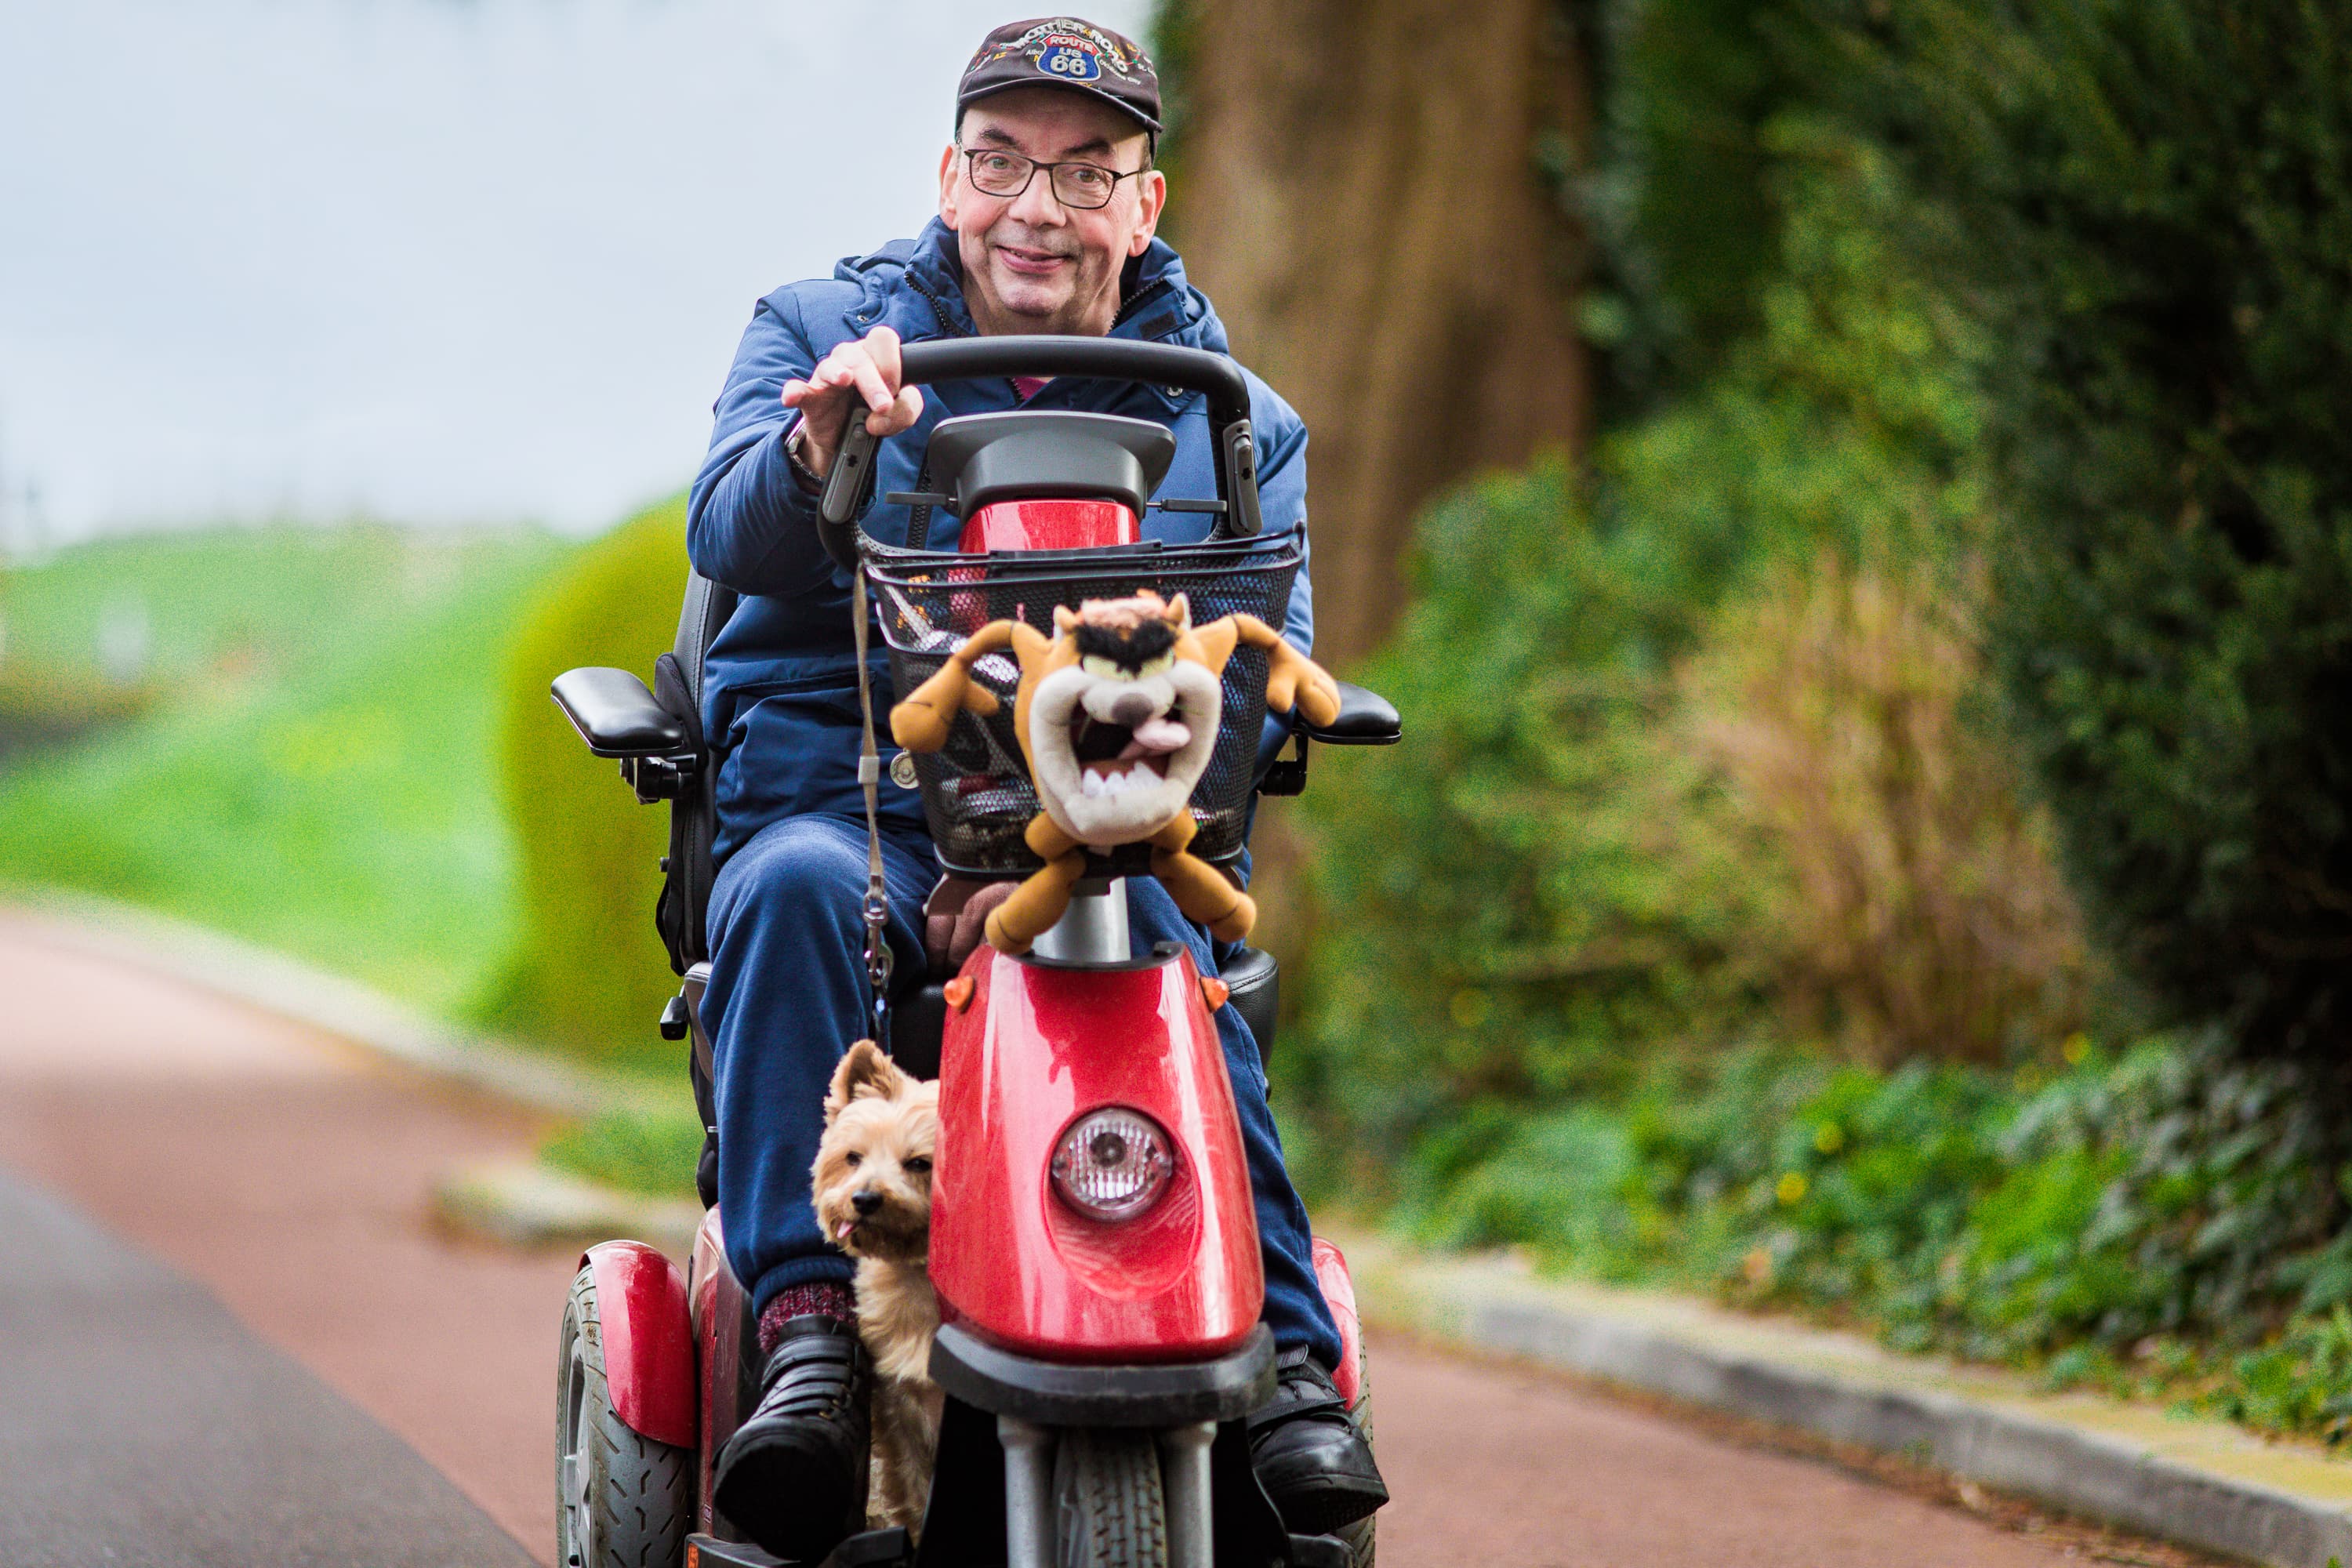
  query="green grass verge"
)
[
  {"x": 315, "y": 772},
  {"x": 652, "y": 1150},
  {"x": 2160, "y": 1223}
]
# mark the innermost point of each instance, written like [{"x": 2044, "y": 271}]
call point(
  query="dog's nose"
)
[
  {"x": 866, "y": 1202},
  {"x": 1132, "y": 707}
]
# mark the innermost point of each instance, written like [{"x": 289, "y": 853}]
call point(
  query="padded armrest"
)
[
  {"x": 616, "y": 715},
  {"x": 1365, "y": 719}
]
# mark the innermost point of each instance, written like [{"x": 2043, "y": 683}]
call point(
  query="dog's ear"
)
[{"x": 865, "y": 1072}]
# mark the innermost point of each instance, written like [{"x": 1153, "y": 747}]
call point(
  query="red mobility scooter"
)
[{"x": 1093, "y": 1241}]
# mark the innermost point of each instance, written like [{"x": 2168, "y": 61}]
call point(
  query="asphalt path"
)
[
  {"x": 145, "y": 1424},
  {"x": 230, "y": 1333}
]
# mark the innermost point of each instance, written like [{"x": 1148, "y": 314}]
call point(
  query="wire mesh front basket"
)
[{"x": 976, "y": 790}]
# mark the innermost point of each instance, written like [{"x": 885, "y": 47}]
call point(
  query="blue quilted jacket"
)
[{"x": 780, "y": 702}]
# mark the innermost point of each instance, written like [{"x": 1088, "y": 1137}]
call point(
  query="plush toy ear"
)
[
  {"x": 1031, "y": 645},
  {"x": 1065, "y": 618},
  {"x": 864, "y": 1073},
  {"x": 1180, "y": 614}
]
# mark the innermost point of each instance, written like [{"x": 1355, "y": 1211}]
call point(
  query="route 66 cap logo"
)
[{"x": 1063, "y": 51}]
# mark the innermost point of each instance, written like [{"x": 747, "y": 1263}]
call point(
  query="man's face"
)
[{"x": 1031, "y": 264}]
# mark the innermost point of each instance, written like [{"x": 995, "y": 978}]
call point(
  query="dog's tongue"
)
[
  {"x": 1155, "y": 736},
  {"x": 846, "y": 1227}
]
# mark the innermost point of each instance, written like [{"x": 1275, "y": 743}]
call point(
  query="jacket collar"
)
[{"x": 916, "y": 285}]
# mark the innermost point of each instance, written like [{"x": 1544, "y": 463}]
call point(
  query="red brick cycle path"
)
[{"x": 291, "y": 1173}]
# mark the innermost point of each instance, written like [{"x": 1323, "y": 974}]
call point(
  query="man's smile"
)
[{"x": 1030, "y": 263}]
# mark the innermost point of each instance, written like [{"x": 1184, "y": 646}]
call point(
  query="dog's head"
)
[
  {"x": 873, "y": 1171},
  {"x": 1119, "y": 716}
]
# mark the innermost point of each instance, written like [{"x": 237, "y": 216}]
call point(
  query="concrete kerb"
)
[{"x": 2201, "y": 1483}]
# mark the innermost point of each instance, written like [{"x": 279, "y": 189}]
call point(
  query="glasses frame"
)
[{"x": 1035, "y": 165}]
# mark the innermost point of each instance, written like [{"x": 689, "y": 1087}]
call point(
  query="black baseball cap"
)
[{"x": 1063, "y": 51}]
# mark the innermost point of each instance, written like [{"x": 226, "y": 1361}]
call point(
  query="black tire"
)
[
  {"x": 622, "y": 1500},
  {"x": 1110, "y": 1509}
]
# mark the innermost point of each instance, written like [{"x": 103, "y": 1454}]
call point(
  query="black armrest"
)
[
  {"x": 1365, "y": 719},
  {"x": 616, "y": 715}
]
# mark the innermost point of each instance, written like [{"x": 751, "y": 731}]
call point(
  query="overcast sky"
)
[{"x": 432, "y": 260}]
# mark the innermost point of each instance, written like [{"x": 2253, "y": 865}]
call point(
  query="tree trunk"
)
[{"x": 1362, "y": 192}]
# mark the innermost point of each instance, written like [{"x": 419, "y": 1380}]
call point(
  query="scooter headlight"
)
[{"x": 1113, "y": 1164}]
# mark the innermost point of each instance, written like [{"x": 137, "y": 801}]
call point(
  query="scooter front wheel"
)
[
  {"x": 622, "y": 1499},
  {"x": 1110, "y": 1511}
]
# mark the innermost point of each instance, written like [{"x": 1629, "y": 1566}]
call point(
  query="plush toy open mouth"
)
[
  {"x": 1114, "y": 758},
  {"x": 1108, "y": 783}
]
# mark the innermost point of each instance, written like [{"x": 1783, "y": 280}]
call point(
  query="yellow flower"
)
[
  {"x": 1829, "y": 1138},
  {"x": 1791, "y": 1189},
  {"x": 2077, "y": 1048}
]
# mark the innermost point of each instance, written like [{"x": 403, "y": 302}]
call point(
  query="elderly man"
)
[{"x": 1048, "y": 202}]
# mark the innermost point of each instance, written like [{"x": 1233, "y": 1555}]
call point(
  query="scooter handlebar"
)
[
  {"x": 1107, "y": 359},
  {"x": 849, "y": 485}
]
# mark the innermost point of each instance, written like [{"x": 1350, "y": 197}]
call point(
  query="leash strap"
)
[{"x": 869, "y": 780}]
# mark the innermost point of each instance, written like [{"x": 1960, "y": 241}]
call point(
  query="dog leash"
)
[{"x": 877, "y": 910}]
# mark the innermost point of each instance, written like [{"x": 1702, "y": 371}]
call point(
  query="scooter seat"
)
[
  {"x": 917, "y": 1021},
  {"x": 1254, "y": 979}
]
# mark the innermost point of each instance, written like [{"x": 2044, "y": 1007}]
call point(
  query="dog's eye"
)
[
  {"x": 919, "y": 1165},
  {"x": 853, "y": 1159},
  {"x": 1103, "y": 669}
]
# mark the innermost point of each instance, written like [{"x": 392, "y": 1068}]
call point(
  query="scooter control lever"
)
[
  {"x": 848, "y": 488},
  {"x": 1242, "y": 519}
]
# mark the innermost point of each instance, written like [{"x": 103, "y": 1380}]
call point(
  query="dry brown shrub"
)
[{"x": 1919, "y": 910}]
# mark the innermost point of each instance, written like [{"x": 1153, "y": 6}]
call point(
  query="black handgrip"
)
[
  {"x": 1111, "y": 359},
  {"x": 849, "y": 485}
]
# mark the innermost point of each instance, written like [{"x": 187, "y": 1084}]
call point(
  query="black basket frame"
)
[{"x": 978, "y": 795}]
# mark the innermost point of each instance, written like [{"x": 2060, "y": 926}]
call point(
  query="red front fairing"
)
[
  {"x": 1038, "y": 1047},
  {"x": 1049, "y": 525}
]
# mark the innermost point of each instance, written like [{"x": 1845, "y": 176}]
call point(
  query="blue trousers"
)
[{"x": 788, "y": 994}]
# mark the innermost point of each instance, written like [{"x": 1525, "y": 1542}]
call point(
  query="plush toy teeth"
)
[{"x": 1107, "y": 778}]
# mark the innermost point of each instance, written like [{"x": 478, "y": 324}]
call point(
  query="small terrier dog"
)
[{"x": 873, "y": 1183}]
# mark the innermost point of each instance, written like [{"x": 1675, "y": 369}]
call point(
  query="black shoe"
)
[
  {"x": 1309, "y": 1454},
  {"x": 792, "y": 1476}
]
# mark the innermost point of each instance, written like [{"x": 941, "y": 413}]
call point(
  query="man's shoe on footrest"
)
[
  {"x": 1309, "y": 1454},
  {"x": 792, "y": 1476}
]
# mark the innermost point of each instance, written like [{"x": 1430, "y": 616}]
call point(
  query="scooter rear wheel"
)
[
  {"x": 1110, "y": 1509},
  {"x": 622, "y": 1499}
]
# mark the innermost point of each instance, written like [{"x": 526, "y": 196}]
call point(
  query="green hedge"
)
[
  {"x": 1565, "y": 871},
  {"x": 2149, "y": 206},
  {"x": 588, "y": 971}
]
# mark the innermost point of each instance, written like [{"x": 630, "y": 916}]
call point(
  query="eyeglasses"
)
[{"x": 997, "y": 173}]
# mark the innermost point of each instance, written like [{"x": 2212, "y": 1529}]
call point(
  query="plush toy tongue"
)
[{"x": 1154, "y": 737}]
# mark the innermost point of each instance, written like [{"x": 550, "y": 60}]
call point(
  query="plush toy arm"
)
[
  {"x": 920, "y": 722},
  {"x": 1291, "y": 677}
]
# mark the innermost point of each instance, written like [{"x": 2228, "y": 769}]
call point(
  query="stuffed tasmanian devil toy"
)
[{"x": 1117, "y": 714}]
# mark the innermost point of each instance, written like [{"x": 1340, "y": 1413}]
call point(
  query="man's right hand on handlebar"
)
[{"x": 861, "y": 376}]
